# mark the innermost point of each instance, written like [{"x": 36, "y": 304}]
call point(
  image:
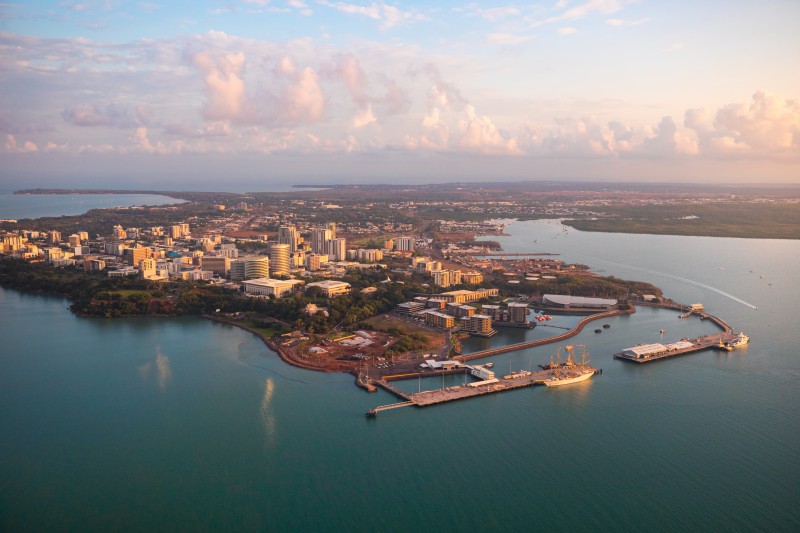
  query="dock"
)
[
  {"x": 461, "y": 392},
  {"x": 716, "y": 341}
]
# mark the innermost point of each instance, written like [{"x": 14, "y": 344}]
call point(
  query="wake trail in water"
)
[{"x": 677, "y": 278}]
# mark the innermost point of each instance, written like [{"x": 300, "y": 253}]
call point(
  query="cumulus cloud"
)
[
  {"x": 12, "y": 145},
  {"x": 364, "y": 117},
  {"x": 481, "y": 134},
  {"x": 768, "y": 125},
  {"x": 303, "y": 100},
  {"x": 224, "y": 83}
]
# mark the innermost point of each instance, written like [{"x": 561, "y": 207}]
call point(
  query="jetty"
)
[
  {"x": 541, "y": 342},
  {"x": 513, "y": 381}
]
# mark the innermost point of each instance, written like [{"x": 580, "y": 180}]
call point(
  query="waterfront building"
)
[
  {"x": 280, "y": 259},
  {"x": 270, "y": 287},
  {"x": 567, "y": 302},
  {"x": 331, "y": 287},
  {"x": 439, "y": 320},
  {"x": 480, "y": 325},
  {"x": 518, "y": 312}
]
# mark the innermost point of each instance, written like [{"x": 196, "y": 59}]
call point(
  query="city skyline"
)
[{"x": 161, "y": 95}]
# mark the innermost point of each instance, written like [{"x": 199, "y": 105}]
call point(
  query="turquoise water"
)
[
  {"x": 186, "y": 424},
  {"x": 55, "y": 205}
]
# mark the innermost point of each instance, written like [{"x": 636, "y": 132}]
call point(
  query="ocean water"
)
[
  {"x": 55, "y": 205},
  {"x": 166, "y": 424}
]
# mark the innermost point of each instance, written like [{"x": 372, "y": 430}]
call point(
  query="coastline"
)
[{"x": 271, "y": 344}]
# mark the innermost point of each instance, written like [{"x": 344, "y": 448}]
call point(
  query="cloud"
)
[
  {"x": 113, "y": 115},
  {"x": 673, "y": 47},
  {"x": 480, "y": 134},
  {"x": 364, "y": 117},
  {"x": 567, "y": 31},
  {"x": 303, "y": 100},
  {"x": 768, "y": 125},
  {"x": 224, "y": 84},
  {"x": 12, "y": 146},
  {"x": 388, "y": 16}
]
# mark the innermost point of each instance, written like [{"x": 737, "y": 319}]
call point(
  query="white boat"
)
[
  {"x": 568, "y": 378},
  {"x": 739, "y": 340}
]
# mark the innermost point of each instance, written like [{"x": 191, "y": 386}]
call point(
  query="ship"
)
[
  {"x": 739, "y": 340},
  {"x": 568, "y": 378},
  {"x": 572, "y": 373}
]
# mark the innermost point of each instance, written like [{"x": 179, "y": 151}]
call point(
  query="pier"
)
[
  {"x": 716, "y": 341},
  {"x": 541, "y": 342},
  {"x": 461, "y": 392}
]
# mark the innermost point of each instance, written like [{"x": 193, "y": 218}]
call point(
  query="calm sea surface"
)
[
  {"x": 55, "y": 205},
  {"x": 144, "y": 424}
]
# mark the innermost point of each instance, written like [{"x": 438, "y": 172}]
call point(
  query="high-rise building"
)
[
  {"x": 288, "y": 235},
  {"x": 256, "y": 266},
  {"x": 120, "y": 233},
  {"x": 74, "y": 240},
  {"x": 280, "y": 259},
  {"x": 331, "y": 226},
  {"x": 53, "y": 237},
  {"x": 319, "y": 239},
  {"x": 404, "y": 244},
  {"x": 337, "y": 249},
  {"x": 84, "y": 235},
  {"x": 237, "y": 270}
]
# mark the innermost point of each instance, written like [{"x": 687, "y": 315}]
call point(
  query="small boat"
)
[
  {"x": 606, "y": 326},
  {"x": 598, "y": 331},
  {"x": 489, "y": 365}
]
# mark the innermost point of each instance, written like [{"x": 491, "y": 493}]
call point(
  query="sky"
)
[{"x": 244, "y": 93}]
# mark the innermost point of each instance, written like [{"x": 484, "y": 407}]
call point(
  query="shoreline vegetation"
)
[{"x": 746, "y": 211}]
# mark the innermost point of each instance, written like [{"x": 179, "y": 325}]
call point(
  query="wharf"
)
[
  {"x": 699, "y": 344},
  {"x": 461, "y": 392}
]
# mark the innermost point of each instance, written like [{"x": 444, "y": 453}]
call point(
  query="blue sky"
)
[{"x": 163, "y": 93}]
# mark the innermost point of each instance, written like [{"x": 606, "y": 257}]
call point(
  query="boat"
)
[
  {"x": 575, "y": 377},
  {"x": 489, "y": 365},
  {"x": 574, "y": 373},
  {"x": 606, "y": 326},
  {"x": 740, "y": 340},
  {"x": 598, "y": 331}
]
